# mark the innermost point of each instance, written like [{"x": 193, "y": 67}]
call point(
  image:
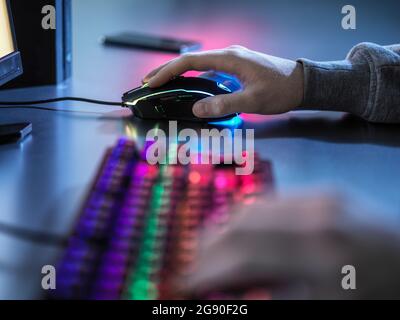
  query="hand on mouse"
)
[
  {"x": 297, "y": 244},
  {"x": 271, "y": 85}
]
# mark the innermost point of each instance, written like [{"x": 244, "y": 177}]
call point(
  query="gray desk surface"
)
[{"x": 44, "y": 178}]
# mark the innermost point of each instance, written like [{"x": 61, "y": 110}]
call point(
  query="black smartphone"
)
[
  {"x": 151, "y": 42},
  {"x": 14, "y": 132}
]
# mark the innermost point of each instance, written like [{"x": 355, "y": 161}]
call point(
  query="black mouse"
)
[{"x": 175, "y": 99}]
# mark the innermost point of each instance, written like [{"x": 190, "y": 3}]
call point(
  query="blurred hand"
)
[
  {"x": 297, "y": 244},
  {"x": 271, "y": 85}
]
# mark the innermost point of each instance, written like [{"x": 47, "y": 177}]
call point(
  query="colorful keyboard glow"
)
[{"x": 139, "y": 226}]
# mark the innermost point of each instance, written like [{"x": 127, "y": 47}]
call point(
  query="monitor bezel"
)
[{"x": 11, "y": 64}]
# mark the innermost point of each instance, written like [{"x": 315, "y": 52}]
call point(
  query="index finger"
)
[{"x": 204, "y": 61}]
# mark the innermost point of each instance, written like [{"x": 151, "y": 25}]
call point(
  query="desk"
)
[{"x": 44, "y": 178}]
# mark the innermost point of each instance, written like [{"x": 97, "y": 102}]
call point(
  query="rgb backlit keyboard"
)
[{"x": 139, "y": 226}]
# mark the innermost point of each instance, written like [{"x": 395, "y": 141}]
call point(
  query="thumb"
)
[{"x": 220, "y": 105}]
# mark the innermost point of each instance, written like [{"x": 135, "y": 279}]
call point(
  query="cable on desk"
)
[
  {"x": 47, "y": 109},
  {"x": 93, "y": 101},
  {"x": 33, "y": 236}
]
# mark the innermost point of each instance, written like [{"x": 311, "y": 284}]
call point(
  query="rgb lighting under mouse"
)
[
  {"x": 139, "y": 226},
  {"x": 230, "y": 123}
]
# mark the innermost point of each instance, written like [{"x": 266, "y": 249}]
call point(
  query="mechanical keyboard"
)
[{"x": 139, "y": 226}]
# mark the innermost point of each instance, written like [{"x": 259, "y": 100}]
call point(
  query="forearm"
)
[{"x": 366, "y": 83}]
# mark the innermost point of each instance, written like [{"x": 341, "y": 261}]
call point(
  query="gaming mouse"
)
[{"x": 175, "y": 99}]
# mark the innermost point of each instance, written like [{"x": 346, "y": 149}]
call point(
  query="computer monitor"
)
[{"x": 10, "y": 58}]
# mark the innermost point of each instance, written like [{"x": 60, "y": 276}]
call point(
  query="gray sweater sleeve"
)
[{"x": 366, "y": 83}]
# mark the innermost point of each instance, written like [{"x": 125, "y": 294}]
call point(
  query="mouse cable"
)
[
  {"x": 101, "y": 102},
  {"x": 47, "y": 109},
  {"x": 33, "y": 236}
]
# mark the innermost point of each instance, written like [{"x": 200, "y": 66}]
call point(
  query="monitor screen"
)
[{"x": 6, "y": 38}]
